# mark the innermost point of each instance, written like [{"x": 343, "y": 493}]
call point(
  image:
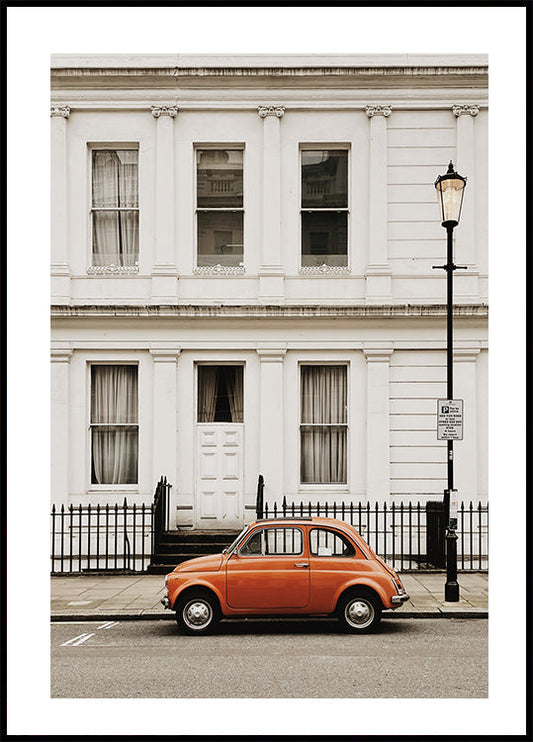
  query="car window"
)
[
  {"x": 274, "y": 542},
  {"x": 326, "y": 543}
]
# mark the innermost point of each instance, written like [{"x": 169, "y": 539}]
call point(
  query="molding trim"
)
[
  {"x": 378, "y": 111},
  {"x": 324, "y": 270},
  {"x": 60, "y": 110},
  {"x": 219, "y": 270},
  {"x": 376, "y": 353},
  {"x": 265, "y": 111},
  {"x": 60, "y": 353},
  {"x": 158, "y": 111},
  {"x": 164, "y": 353},
  {"x": 269, "y": 311},
  {"x": 467, "y": 108},
  {"x": 271, "y": 354},
  {"x": 112, "y": 270}
]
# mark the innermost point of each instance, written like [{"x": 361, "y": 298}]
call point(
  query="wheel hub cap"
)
[
  {"x": 359, "y": 612},
  {"x": 197, "y": 614}
]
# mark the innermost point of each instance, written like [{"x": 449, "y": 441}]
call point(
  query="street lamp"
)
[{"x": 450, "y": 191}]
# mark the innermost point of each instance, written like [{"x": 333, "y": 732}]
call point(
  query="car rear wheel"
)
[
  {"x": 197, "y": 613},
  {"x": 359, "y": 613}
]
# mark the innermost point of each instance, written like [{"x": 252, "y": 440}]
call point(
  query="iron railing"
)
[{"x": 400, "y": 533}]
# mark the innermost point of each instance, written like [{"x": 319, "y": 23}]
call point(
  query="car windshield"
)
[{"x": 234, "y": 544}]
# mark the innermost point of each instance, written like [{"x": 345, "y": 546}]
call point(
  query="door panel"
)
[{"x": 219, "y": 480}]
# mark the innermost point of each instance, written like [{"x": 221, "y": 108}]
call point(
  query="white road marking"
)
[
  {"x": 83, "y": 639},
  {"x": 108, "y": 625},
  {"x": 76, "y": 638}
]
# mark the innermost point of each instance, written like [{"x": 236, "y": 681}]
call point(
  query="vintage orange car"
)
[{"x": 287, "y": 566}]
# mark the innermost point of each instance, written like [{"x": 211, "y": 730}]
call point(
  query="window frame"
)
[
  {"x": 198, "y": 147},
  {"x": 318, "y": 147},
  {"x": 265, "y": 528},
  {"x": 94, "y": 486},
  {"x": 99, "y": 146},
  {"x": 327, "y": 486},
  {"x": 338, "y": 534}
]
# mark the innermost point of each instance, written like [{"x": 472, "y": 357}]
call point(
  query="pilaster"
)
[
  {"x": 164, "y": 438},
  {"x": 466, "y": 284},
  {"x": 271, "y": 444},
  {"x": 465, "y": 386},
  {"x": 378, "y": 357},
  {"x": 164, "y": 272},
  {"x": 60, "y": 356},
  {"x": 378, "y": 272},
  {"x": 60, "y": 270},
  {"x": 271, "y": 274}
]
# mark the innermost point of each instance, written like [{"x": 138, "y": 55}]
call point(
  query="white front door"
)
[{"x": 219, "y": 476}]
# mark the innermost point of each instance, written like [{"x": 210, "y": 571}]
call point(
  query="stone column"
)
[
  {"x": 465, "y": 451},
  {"x": 60, "y": 270},
  {"x": 61, "y": 353},
  {"x": 164, "y": 439},
  {"x": 271, "y": 418},
  {"x": 271, "y": 290},
  {"x": 378, "y": 421},
  {"x": 378, "y": 272},
  {"x": 164, "y": 272},
  {"x": 464, "y": 236}
]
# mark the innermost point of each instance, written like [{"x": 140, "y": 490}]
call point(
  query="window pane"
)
[
  {"x": 115, "y": 455},
  {"x": 220, "y": 394},
  {"x": 324, "y": 179},
  {"x": 219, "y": 178},
  {"x": 274, "y": 542},
  {"x": 115, "y": 178},
  {"x": 113, "y": 394},
  {"x": 324, "y": 394},
  {"x": 220, "y": 240},
  {"x": 323, "y": 451},
  {"x": 115, "y": 237},
  {"x": 324, "y": 238},
  {"x": 328, "y": 543}
]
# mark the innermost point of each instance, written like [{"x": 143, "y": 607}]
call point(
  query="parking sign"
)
[{"x": 449, "y": 419}]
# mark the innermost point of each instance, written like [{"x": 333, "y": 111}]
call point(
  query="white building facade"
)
[{"x": 242, "y": 280}]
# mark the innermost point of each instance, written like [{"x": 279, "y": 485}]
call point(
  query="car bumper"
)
[
  {"x": 399, "y": 599},
  {"x": 165, "y": 602}
]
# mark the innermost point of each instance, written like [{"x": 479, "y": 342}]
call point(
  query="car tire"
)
[
  {"x": 359, "y": 612},
  {"x": 197, "y": 612}
]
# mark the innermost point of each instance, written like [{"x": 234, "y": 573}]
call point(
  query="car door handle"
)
[{"x": 301, "y": 564}]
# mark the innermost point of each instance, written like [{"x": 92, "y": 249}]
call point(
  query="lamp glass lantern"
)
[{"x": 450, "y": 192}]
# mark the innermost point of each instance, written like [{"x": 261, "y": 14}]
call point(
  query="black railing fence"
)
[
  {"x": 402, "y": 534},
  {"x": 124, "y": 537},
  {"x": 101, "y": 537}
]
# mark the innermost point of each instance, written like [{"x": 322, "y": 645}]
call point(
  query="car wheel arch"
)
[
  {"x": 196, "y": 587},
  {"x": 359, "y": 588}
]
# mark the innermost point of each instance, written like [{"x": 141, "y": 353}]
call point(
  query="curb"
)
[{"x": 58, "y": 617}]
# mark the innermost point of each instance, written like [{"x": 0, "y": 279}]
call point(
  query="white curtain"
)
[
  {"x": 323, "y": 430},
  {"x": 114, "y": 424},
  {"x": 207, "y": 393},
  {"x": 115, "y": 185},
  {"x": 235, "y": 394}
]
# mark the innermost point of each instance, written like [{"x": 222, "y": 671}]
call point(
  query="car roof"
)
[{"x": 303, "y": 520}]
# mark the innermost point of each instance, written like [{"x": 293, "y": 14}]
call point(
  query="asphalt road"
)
[{"x": 408, "y": 658}]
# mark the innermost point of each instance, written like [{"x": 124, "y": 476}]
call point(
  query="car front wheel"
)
[
  {"x": 359, "y": 613},
  {"x": 197, "y": 613}
]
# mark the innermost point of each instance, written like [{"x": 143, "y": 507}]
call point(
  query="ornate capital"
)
[
  {"x": 470, "y": 109},
  {"x": 63, "y": 111},
  {"x": 265, "y": 111},
  {"x": 378, "y": 111},
  {"x": 158, "y": 111}
]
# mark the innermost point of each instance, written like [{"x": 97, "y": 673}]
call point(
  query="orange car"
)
[{"x": 288, "y": 566}]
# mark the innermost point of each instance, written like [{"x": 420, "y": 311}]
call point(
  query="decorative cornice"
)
[
  {"x": 269, "y": 311},
  {"x": 158, "y": 111},
  {"x": 324, "y": 270},
  {"x": 112, "y": 270},
  {"x": 378, "y": 111},
  {"x": 219, "y": 270},
  {"x": 468, "y": 108},
  {"x": 265, "y": 111},
  {"x": 165, "y": 354},
  {"x": 377, "y": 354},
  {"x": 271, "y": 354},
  {"x": 59, "y": 110}
]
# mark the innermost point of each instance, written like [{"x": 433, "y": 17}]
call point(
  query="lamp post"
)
[{"x": 450, "y": 192}]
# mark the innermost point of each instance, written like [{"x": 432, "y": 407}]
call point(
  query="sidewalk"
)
[{"x": 137, "y": 596}]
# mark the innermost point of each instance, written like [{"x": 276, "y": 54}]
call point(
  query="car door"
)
[
  {"x": 333, "y": 560},
  {"x": 270, "y": 571}
]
